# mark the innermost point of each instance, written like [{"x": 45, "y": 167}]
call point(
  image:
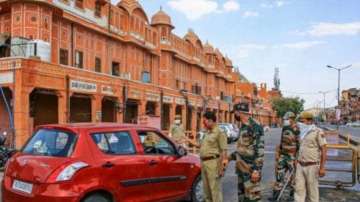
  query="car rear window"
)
[
  {"x": 51, "y": 142},
  {"x": 118, "y": 143}
]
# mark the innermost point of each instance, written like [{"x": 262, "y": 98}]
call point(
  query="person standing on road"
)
[
  {"x": 249, "y": 155},
  {"x": 213, "y": 155},
  {"x": 311, "y": 160},
  {"x": 177, "y": 132},
  {"x": 286, "y": 155}
]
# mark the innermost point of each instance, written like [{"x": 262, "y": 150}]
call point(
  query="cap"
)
[
  {"x": 244, "y": 107},
  {"x": 306, "y": 115},
  {"x": 289, "y": 115}
]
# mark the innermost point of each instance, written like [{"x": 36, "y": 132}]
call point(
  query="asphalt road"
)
[{"x": 272, "y": 139}]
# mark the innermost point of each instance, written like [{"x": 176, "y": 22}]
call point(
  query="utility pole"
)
[
  {"x": 338, "y": 90},
  {"x": 324, "y": 100}
]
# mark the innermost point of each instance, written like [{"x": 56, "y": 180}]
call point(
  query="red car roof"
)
[{"x": 81, "y": 126}]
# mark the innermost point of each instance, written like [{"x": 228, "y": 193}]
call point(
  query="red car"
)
[{"x": 101, "y": 163}]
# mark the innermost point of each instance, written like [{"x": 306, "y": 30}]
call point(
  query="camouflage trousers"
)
[
  {"x": 284, "y": 164},
  {"x": 247, "y": 190}
]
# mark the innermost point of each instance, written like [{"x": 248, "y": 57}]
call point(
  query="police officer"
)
[
  {"x": 249, "y": 155},
  {"x": 177, "y": 132},
  {"x": 311, "y": 160},
  {"x": 286, "y": 155},
  {"x": 213, "y": 155}
]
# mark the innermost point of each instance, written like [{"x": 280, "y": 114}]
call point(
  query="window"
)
[
  {"x": 64, "y": 57},
  {"x": 47, "y": 142},
  {"x": 79, "y": 59},
  {"x": 118, "y": 143},
  {"x": 115, "y": 69},
  {"x": 196, "y": 89},
  {"x": 178, "y": 84},
  {"x": 97, "y": 64},
  {"x": 154, "y": 143},
  {"x": 145, "y": 77},
  {"x": 97, "y": 9},
  {"x": 79, "y": 3}
]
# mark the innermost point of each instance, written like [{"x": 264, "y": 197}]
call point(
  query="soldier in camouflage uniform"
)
[
  {"x": 286, "y": 155},
  {"x": 249, "y": 156}
]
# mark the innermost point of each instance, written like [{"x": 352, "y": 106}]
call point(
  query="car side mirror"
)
[{"x": 181, "y": 151}]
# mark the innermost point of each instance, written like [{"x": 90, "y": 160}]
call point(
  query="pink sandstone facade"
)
[{"x": 90, "y": 61}]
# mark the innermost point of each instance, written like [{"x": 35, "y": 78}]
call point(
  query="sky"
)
[{"x": 300, "y": 37}]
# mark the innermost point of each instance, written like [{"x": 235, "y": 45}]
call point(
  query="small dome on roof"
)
[
  {"x": 161, "y": 18},
  {"x": 208, "y": 48}
]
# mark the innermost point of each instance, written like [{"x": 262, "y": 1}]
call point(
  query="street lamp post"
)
[
  {"x": 339, "y": 75},
  {"x": 338, "y": 90},
  {"x": 324, "y": 99}
]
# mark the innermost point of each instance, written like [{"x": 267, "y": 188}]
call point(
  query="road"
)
[{"x": 272, "y": 138}]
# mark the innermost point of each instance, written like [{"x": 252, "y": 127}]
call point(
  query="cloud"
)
[
  {"x": 248, "y": 14},
  {"x": 231, "y": 5},
  {"x": 331, "y": 29},
  {"x": 274, "y": 4},
  {"x": 245, "y": 50},
  {"x": 303, "y": 44},
  {"x": 194, "y": 10}
]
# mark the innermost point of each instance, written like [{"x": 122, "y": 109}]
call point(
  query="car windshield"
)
[{"x": 49, "y": 142}]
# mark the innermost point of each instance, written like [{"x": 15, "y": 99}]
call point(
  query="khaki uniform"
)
[
  {"x": 178, "y": 134},
  {"x": 307, "y": 177},
  {"x": 213, "y": 144}
]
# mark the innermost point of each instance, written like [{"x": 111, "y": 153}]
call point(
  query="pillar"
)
[
  {"x": 21, "y": 110},
  {"x": 172, "y": 112},
  {"x": 142, "y": 108},
  {"x": 183, "y": 116},
  {"x": 96, "y": 107},
  {"x": 158, "y": 109},
  {"x": 62, "y": 111}
]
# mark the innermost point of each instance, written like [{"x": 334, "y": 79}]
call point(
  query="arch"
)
[{"x": 141, "y": 13}]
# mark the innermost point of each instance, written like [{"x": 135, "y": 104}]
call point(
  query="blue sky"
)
[{"x": 300, "y": 37}]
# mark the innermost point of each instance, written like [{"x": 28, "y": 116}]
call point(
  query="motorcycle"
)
[{"x": 5, "y": 152}]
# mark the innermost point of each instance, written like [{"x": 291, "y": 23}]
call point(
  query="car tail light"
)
[{"x": 66, "y": 173}]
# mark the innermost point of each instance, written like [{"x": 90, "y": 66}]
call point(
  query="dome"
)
[
  {"x": 161, "y": 18},
  {"x": 208, "y": 48}
]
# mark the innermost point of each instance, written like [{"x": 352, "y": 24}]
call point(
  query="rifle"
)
[{"x": 288, "y": 179}]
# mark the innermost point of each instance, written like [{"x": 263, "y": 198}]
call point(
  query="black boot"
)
[{"x": 275, "y": 196}]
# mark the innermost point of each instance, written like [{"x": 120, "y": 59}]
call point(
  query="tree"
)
[{"x": 285, "y": 104}]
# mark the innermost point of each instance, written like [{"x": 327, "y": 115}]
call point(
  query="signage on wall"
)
[
  {"x": 135, "y": 94},
  {"x": 152, "y": 97},
  {"x": 180, "y": 101},
  {"x": 83, "y": 86},
  {"x": 108, "y": 90},
  {"x": 168, "y": 99},
  {"x": 192, "y": 103},
  {"x": 7, "y": 77}
]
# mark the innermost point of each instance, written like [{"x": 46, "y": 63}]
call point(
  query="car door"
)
[
  {"x": 122, "y": 169},
  {"x": 168, "y": 170}
]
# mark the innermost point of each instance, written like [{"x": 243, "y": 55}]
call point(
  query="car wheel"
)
[
  {"x": 197, "y": 193},
  {"x": 97, "y": 198}
]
